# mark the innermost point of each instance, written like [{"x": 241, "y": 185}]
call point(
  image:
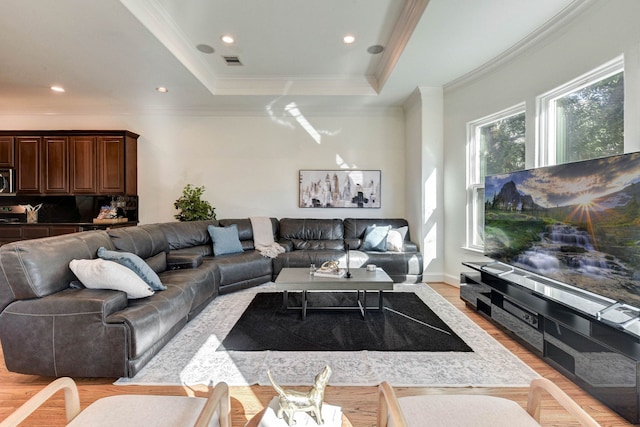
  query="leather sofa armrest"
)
[
  {"x": 180, "y": 261},
  {"x": 409, "y": 247},
  {"x": 66, "y": 333},
  {"x": 71, "y": 302}
]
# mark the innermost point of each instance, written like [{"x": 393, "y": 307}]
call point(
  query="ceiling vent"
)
[{"x": 232, "y": 60}]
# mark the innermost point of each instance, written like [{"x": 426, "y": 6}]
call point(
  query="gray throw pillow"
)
[
  {"x": 375, "y": 238},
  {"x": 136, "y": 264},
  {"x": 225, "y": 240}
]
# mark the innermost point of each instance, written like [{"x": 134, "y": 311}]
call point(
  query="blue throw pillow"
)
[
  {"x": 225, "y": 240},
  {"x": 136, "y": 264},
  {"x": 375, "y": 238}
]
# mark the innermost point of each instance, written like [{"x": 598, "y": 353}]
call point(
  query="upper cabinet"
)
[
  {"x": 7, "y": 149},
  {"x": 83, "y": 164},
  {"x": 111, "y": 176},
  {"x": 55, "y": 165},
  {"x": 28, "y": 164},
  {"x": 72, "y": 162}
]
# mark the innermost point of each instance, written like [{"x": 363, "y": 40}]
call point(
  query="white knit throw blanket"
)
[{"x": 263, "y": 237}]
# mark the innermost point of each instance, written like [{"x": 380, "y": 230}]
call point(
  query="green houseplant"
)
[{"x": 191, "y": 205}]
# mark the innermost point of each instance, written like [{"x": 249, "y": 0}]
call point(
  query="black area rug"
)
[{"x": 265, "y": 325}]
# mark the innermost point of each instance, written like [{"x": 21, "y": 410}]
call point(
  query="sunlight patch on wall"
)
[
  {"x": 430, "y": 196},
  {"x": 430, "y": 246},
  {"x": 284, "y": 115},
  {"x": 344, "y": 165},
  {"x": 279, "y": 119},
  {"x": 294, "y": 111}
]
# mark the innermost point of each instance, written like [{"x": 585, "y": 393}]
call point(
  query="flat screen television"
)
[{"x": 576, "y": 223}]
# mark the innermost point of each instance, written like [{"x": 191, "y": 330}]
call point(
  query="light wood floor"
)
[{"x": 358, "y": 403}]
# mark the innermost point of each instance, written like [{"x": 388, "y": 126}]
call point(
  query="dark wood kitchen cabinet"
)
[
  {"x": 7, "y": 149},
  {"x": 10, "y": 234},
  {"x": 118, "y": 164},
  {"x": 83, "y": 164},
  {"x": 42, "y": 164},
  {"x": 111, "y": 176},
  {"x": 14, "y": 232},
  {"x": 74, "y": 162},
  {"x": 28, "y": 164},
  {"x": 55, "y": 165}
]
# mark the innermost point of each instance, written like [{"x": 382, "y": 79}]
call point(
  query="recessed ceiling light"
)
[
  {"x": 205, "y": 48},
  {"x": 162, "y": 89},
  {"x": 348, "y": 39},
  {"x": 375, "y": 49},
  {"x": 228, "y": 39},
  {"x": 57, "y": 88}
]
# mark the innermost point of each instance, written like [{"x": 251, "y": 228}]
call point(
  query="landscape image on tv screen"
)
[{"x": 577, "y": 223}]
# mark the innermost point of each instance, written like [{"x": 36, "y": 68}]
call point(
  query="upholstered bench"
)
[{"x": 460, "y": 410}]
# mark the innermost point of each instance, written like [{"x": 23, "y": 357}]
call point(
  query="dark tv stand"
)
[{"x": 593, "y": 340}]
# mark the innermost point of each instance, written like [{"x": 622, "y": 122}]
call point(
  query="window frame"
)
[
  {"x": 546, "y": 113},
  {"x": 474, "y": 184}
]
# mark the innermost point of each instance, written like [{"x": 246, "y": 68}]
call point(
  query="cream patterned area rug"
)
[{"x": 191, "y": 358}]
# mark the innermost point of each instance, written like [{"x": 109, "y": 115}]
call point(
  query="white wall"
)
[
  {"x": 249, "y": 163},
  {"x": 424, "y": 163},
  {"x": 604, "y": 31}
]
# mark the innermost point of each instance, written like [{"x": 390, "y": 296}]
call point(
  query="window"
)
[
  {"x": 496, "y": 144},
  {"x": 584, "y": 118}
]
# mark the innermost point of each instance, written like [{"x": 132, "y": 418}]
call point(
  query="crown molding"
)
[
  {"x": 400, "y": 35},
  {"x": 555, "y": 24},
  {"x": 335, "y": 110},
  {"x": 293, "y": 85}
]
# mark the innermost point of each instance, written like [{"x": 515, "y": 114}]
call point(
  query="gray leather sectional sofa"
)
[{"x": 50, "y": 327}]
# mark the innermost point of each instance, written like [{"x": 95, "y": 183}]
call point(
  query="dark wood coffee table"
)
[{"x": 361, "y": 281}]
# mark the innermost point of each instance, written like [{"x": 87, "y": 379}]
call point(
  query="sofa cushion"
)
[
  {"x": 103, "y": 274},
  {"x": 158, "y": 262},
  {"x": 187, "y": 234},
  {"x": 225, "y": 240},
  {"x": 395, "y": 239},
  {"x": 179, "y": 260},
  {"x": 240, "y": 267},
  {"x": 301, "y": 245},
  {"x": 375, "y": 238},
  {"x": 200, "y": 283},
  {"x": 312, "y": 234},
  {"x": 39, "y": 267},
  {"x": 151, "y": 319},
  {"x": 144, "y": 240},
  {"x": 136, "y": 264},
  {"x": 202, "y": 250}
]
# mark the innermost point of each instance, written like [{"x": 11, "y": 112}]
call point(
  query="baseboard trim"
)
[
  {"x": 452, "y": 280},
  {"x": 432, "y": 277},
  {"x": 449, "y": 279}
]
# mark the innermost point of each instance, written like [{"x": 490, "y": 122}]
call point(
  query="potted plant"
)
[{"x": 191, "y": 205}]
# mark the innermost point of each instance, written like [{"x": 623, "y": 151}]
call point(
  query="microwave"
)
[{"x": 7, "y": 181}]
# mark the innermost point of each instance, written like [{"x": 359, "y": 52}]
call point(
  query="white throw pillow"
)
[
  {"x": 395, "y": 238},
  {"x": 103, "y": 274}
]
